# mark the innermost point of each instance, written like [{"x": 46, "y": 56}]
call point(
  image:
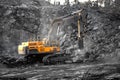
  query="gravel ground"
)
[{"x": 75, "y": 71}]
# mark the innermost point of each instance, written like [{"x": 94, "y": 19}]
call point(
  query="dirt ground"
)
[{"x": 74, "y": 71}]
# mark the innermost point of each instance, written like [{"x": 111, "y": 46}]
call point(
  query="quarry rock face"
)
[
  {"x": 27, "y": 19},
  {"x": 21, "y": 20}
]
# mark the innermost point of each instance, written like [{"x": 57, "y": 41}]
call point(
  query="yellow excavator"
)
[{"x": 49, "y": 51}]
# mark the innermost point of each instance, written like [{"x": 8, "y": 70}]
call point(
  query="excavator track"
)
[
  {"x": 51, "y": 59},
  {"x": 56, "y": 58}
]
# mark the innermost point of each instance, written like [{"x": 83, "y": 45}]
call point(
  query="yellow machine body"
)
[{"x": 38, "y": 47}]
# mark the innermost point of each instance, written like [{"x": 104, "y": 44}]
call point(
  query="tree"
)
[
  {"x": 107, "y": 3},
  {"x": 76, "y": 1},
  {"x": 117, "y": 3},
  {"x": 67, "y": 2}
]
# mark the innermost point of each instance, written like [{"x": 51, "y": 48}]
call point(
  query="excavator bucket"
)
[{"x": 80, "y": 43}]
